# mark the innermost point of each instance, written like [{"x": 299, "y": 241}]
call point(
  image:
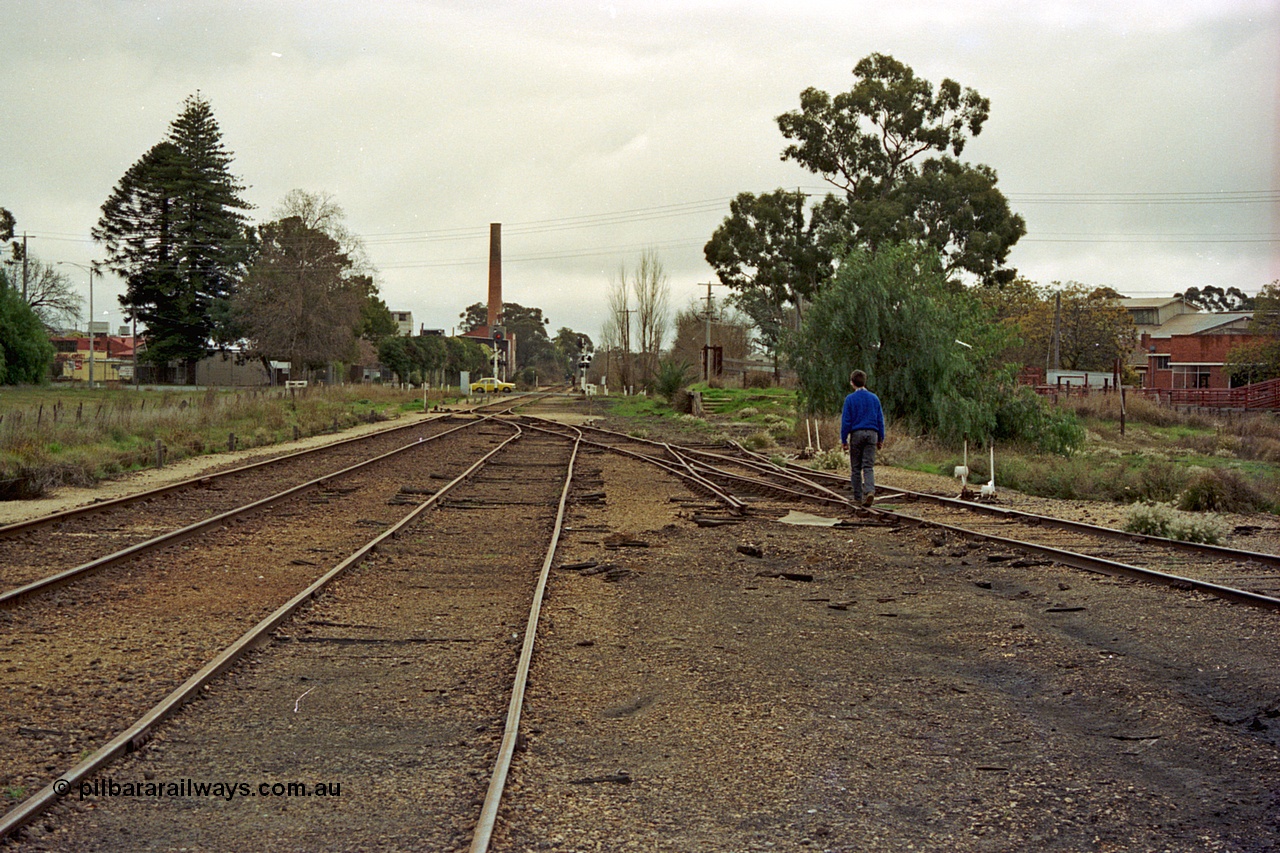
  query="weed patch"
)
[{"x": 1157, "y": 519}]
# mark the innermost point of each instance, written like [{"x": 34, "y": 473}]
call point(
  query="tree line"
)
[
  {"x": 199, "y": 277},
  {"x": 903, "y": 270},
  {"x": 900, "y": 270}
]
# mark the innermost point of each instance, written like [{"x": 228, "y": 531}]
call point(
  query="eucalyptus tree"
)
[
  {"x": 1258, "y": 358},
  {"x": 774, "y": 252},
  {"x": 1211, "y": 298},
  {"x": 891, "y": 144}
]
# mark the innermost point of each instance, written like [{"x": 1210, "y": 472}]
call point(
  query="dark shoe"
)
[{"x": 868, "y": 500}]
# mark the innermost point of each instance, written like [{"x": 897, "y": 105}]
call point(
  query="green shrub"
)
[
  {"x": 1221, "y": 490},
  {"x": 672, "y": 377},
  {"x": 779, "y": 427},
  {"x": 1160, "y": 481}
]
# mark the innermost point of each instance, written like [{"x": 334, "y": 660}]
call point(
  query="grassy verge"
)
[
  {"x": 1194, "y": 462},
  {"x": 64, "y": 436}
]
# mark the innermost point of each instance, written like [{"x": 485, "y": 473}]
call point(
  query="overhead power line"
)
[
  {"x": 720, "y": 206},
  {"x": 1171, "y": 198}
]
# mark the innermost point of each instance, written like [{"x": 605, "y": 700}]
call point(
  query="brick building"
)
[{"x": 1182, "y": 348}]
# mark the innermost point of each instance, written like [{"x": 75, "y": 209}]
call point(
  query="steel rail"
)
[
  {"x": 766, "y": 467},
  {"x": 1069, "y": 558},
  {"x": 200, "y": 480},
  {"x": 1101, "y": 565},
  {"x": 1097, "y": 565},
  {"x": 137, "y": 734},
  {"x": 772, "y": 470},
  {"x": 734, "y": 505},
  {"x": 510, "y": 734},
  {"x": 11, "y": 597},
  {"x": 1201, "y": 548},
  {"x": 829, "y": 497}
]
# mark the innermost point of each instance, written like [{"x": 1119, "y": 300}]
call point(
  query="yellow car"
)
[{"x": 489, "y": 385}]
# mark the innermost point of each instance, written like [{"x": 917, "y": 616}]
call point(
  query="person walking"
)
[{"x": 862, "y": 434}]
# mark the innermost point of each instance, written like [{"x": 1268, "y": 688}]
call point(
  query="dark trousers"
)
[{"x": 862, "y": 462}]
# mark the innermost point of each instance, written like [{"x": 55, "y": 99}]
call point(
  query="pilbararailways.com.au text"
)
[{"x": 191, "y": 788}]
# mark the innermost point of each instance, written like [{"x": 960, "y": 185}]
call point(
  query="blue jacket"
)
[{"x": 861, "y": 411}]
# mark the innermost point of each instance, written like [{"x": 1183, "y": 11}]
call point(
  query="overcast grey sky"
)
[{"x": 1139, "y": 139}]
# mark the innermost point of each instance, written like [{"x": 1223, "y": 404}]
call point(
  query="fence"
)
[{"x": 1260, "y": 396}]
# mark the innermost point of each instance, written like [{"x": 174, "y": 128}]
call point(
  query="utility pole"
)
[
  {"x": 706, "y": 350},
  {"x": 92, "y": 269},
  {"x": 24, "y": 272},
  {"x": 1055, "y": 342},
  {"x": 626, "y": 347}
]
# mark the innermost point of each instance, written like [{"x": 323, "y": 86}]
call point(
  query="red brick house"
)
[{"x": 1189, "y": 350}]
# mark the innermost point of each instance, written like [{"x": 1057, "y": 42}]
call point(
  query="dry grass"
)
[{"x": 52, "y": 437}]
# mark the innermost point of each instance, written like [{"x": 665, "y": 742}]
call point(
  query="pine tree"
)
[{"x": 173, "y": 228}]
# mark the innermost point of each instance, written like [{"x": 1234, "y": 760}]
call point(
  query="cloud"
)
[{"x": 594, "y": 130}]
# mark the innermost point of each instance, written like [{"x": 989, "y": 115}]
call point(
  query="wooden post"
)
[{"x": 159, "y": 453}]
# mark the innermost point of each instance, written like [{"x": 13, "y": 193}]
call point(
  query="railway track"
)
[
  {"x": 64, "y": 723},
  {"x": 1240, "y": 575},
  {"x": 421, "y": 641},
  {"x": 45, "y": 552}
]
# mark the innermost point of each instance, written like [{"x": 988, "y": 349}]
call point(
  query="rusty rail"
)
[{"x": 138, "y": 733}]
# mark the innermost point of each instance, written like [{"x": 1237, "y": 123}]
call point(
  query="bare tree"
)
[
  {"x": 52, "y": 295},
  {"x": 652, "y": 289},
  {"x": 616, "y": 334},
  {"x": 729, "y": 329},
  {"x": 320, "y": 212},
  {"x": 644, "y": 292}
]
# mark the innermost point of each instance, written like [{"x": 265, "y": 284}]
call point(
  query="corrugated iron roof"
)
[
  {"x": 1149, "y": 302},
  {"x": 1198, "y": 324}
]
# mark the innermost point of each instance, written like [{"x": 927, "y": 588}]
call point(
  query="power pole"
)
[
  {"x": 706, "y": 350},
  {"x": 24, "y": 269},
  {"x": 626, "y": 348},
  {"x": 1054, "y": 360}
]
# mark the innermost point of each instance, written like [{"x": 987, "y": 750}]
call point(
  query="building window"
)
[
  {"x": 1191, "y": 376},
  {"x": 1162, "y": 362}
]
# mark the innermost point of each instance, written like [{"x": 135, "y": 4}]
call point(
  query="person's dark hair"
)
[{"x": 858, "y": 378}]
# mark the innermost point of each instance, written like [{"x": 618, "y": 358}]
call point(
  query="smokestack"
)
[{"x": 495, "y": 274}]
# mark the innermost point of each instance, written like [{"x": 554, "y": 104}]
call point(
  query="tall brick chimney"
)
[{"x": 495, "y": 275}]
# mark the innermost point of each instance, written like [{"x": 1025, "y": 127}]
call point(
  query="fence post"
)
[{"x": 159, "y": 453}]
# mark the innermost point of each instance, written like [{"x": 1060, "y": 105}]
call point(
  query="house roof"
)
[
  {"x": 1150, "y": 302},
  {"x": 1198, "y": 324}
]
